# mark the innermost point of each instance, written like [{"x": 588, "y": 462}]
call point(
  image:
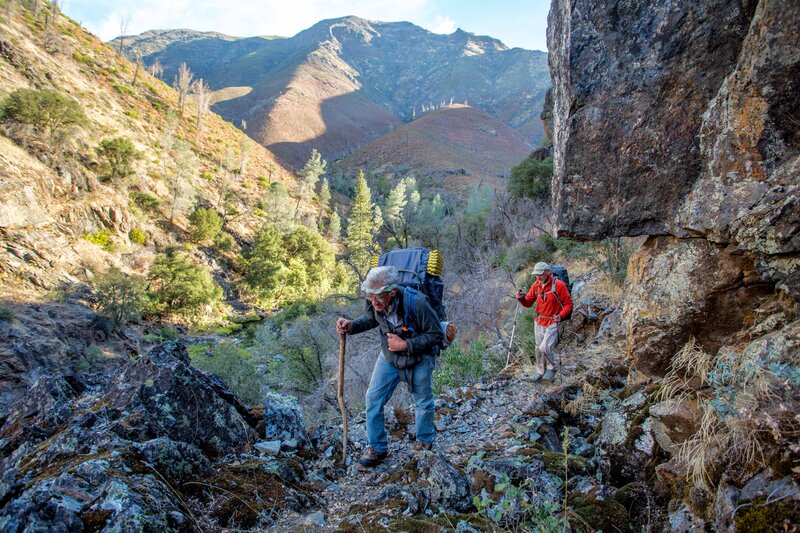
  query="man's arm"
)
[
  {"x": 530, "y": 298},
  {"x": 429, "y": 329},
  {"x": 364, "y": 322}
]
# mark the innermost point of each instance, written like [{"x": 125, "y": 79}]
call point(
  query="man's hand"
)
[
  {"x": 396, "y": 344},
  {"x": 343, "y": 325},
  {"x": 520, "y": 294},
  {"x": 557, "y": 318}
]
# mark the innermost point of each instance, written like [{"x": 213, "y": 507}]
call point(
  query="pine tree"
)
[
  {"x": 309, "y": 176},
  {"x": 361, "y": 228},
  {"x": 335, "y": 227},
  {"x": 325, "y": 196}
]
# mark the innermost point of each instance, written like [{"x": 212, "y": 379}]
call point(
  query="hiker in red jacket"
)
[{"x": 553, "y": 304}]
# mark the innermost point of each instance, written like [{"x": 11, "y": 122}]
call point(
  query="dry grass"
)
[
  {"x": 581, "y": 403},
  {"x": 688, "y": 372}
]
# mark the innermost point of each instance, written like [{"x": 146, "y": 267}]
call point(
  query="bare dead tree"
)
[
  {"x": 123, "y": 30},
  {"x": 156, "y": 69},
  {"x": 35, "y": 4},
  {"x": 203, "y": 100},
  {"x": 137, "y": 59},
  {"x": 183, "y": 83}
]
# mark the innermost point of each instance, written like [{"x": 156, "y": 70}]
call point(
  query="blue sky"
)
[{"x": 515, "y": 22}]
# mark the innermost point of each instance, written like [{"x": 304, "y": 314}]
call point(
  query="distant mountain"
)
[
  {"x": 345, "y": 82},
  {"x": 462, "y": 143}
]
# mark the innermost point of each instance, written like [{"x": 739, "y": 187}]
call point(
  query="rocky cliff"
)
[{"x": 678, "y": 121}]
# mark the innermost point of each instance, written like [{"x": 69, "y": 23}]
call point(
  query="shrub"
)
[
  {"x": 124, "y": 89},
  {"x": 83, "y": 58},
  {"x": 88, "y": 359},
  {"x": 101, "y": 238},
  {"x": 145, "y": 201},
  {"x": 169, "y": 333},
  {"x": 46, "y": 110},
  {"x": 531, "y": 179},
  {"x": 118, "y": 154},
  {"x": 460, "y": 363},
  {"x": 6, "y": 314},
  {"x": 133, "y": 114},
  {"x": 178, "y": 285},
  {"x": 224, "y": 242},
  {"x": 137, "y": 236},
  {"x": 236, "y": 366},
  {"x": 121, "y": 297},
  {"x": 205, "y": 224},
  {"x": 207, "y": 175}
]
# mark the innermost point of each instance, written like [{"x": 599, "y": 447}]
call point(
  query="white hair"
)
[{"x": 380, "y": 279}]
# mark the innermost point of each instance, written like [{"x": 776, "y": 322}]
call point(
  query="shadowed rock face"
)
[
  {"x": 631, "y": 84},
  {"x": 674, "y": 120}
]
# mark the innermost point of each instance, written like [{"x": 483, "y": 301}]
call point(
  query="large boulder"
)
[
  {"x": 80, "y": 455},
  {"x": 682, "y": 288},
  {"x": 284, "y": 420}
]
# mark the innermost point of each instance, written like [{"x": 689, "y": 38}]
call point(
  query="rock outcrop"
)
[
  {"x": 673, "y": 120},
  {"x": 676, "y": 119},
  {"x": 135, "y": 451}
]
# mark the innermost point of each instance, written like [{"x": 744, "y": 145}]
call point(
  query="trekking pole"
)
[
  {"x": 511, "y": 342},
  {"x": 340, "y": 394}
]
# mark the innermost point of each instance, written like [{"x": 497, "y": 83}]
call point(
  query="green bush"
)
[
  {"x": 531, "y": 179},
  {"x": 145, "y": 201},
  {"x": 83, "y": 58},
  {"x": 236, "y": 366},
  {"x": 460, "y": 364},
  {"x": 224, "y": 242},
  {"x": 118, "y": 155},
  {"x": 88, "y": 359},
  {"x": 121, "y": 297},
  {"x": 46, "y": 110},
  {"x": 124, "y": 89},
  {"x": 6, "y": 314},
  {"x": 101, "y": 238},
  {"x": 137, "y": 236},
  {"x": 168, "y": 333},
  {"x": 205, "y": 224},
  {"x": 179, "y": 285}
]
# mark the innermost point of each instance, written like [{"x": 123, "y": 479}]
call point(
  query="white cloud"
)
[{"x": 443, "y": 24}]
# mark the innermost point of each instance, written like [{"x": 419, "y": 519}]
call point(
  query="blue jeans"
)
[{"x": 384, "y": 380}]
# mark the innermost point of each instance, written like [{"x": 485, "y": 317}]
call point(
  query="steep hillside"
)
[
  {"x": 465, "y": 143},
  {"x": 65, "y": 219},
  {"x": 344, "y": 82}
]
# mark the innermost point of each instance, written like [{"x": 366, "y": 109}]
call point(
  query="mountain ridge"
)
[{"x": 349, "y": 80}]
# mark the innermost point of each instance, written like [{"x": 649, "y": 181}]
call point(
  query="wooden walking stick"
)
[{"x": 340, "y": 394}]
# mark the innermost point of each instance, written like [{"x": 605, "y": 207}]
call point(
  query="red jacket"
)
[{"x": 547, "y": 306}]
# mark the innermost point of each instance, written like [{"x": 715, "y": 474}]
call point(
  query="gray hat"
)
[{"x": 540, "y": 267}]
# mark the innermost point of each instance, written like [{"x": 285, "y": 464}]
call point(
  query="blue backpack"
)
[{"x": 420, "y": 272}]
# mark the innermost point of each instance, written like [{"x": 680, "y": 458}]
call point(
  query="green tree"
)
[
  {"x": 361, "y": 228},
  {"x": 118, "y": 154},
  {"x": 276, "y": 206},
  {"x": 120, "y": 297},
  {"x": 400, "y": 211},
  {"x": 205, "y": 224},
  {"x": 179, "y": 285},
  {"x": 309, "y": 176},
  {"x": 324, "y": 196},
  {"x": 46, "y": 110},
  {"x": 430, "y": 222},
  {"x": 285, "y": 268},
  {"x": 531, "y": 179},
  {"x": 335, "y": 227}
]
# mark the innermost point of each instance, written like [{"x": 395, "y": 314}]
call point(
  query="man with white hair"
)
[
  {"x": 553, "y": 304},
  {"x": 407, "y": 354}
]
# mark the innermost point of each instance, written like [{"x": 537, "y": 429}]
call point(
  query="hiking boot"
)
[
  {"x": 420, "y": 446},
  {"x": 372, "y": 457},
  {"x": 549, "y": 374},
  {"x": 536, "y": 377}
]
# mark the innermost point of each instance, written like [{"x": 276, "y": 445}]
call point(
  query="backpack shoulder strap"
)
[
  {"x": 408, "y": 306},
  {"x": 553, "y": 290}
]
